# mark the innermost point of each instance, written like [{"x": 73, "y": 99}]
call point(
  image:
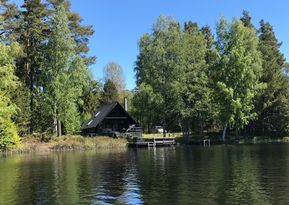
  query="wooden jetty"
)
[{"x": 153, "y": 142}]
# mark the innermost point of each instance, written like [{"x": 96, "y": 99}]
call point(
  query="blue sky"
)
[{"x": 119, "y": 24}]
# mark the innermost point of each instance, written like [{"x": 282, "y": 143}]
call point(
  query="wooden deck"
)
[{"x": 154, "y": 142}]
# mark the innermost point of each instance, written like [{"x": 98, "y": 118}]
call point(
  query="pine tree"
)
[
  {"x": 10, "y": 22},
  {"x": 271, "y": 104},
  {"x": 89, "y": 100},
  {"x": 80, "y": 33},
  {"x": 246, "y": 19},
  {"x": 110, "y": 93},
  {"x": 34, "y": 29}
]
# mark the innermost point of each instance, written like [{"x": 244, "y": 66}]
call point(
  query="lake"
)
[{"x": 222, "y": 174}]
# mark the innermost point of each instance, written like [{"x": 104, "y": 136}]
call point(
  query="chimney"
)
[{"x": 125, "y": 103}]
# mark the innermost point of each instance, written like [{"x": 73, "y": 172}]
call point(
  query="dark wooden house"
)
[{"x": 111, "y": 117}]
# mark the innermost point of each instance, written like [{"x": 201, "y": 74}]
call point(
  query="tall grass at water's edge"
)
[
  {"x": 87, "y": 143},
  {"x": 80, "y": 143},
  {"x": 67, "y": 143}
]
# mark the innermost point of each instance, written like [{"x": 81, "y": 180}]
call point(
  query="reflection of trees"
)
[
  {"x": 91, "y": 178},
  {"x": 177, "y": 175},
  {"x": 64, "y": 178},
  {"x": 217, "y": 175},
  {"x": 36, "y": 177},
  {"x": 112, "y": 177},
  {"x": 66, "y": 175},
  {"x": 245, "y": 186},
  {"x": 9, "y": 179},
  {"x": 182, "y": 175},
  {"x": 274, "y": 171}
]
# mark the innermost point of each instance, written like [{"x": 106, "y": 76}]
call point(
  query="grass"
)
[
  {"x": 68, "y": 143},
  {"x": 87, "y": 143},
  {"x": 80, "y": 143}
]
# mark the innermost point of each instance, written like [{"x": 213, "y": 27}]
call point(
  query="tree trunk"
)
[
  {"x": 31, "y": 101},
  {"x": 28, "y": 78},
  {"x": 55, "y": 121},
  {"x": 224, "y": 133},
  {"x": 59, "y": 128}
]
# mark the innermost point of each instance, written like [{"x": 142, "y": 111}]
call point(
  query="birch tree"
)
[{"x": 236, "y": 73}]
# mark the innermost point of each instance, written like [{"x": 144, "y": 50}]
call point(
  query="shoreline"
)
[
  {"x": 32, "y": 144},
  {"x": 66, "y": 143}
]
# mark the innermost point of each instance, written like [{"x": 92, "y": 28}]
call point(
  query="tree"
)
[
  {"x": 114, "y": 72},
  {"x": 21, "y": 97},
  {"x": 89, "y": 100},
  {"x": 33, "y": 34},
  {"x": 10, "y": 22},
  {"x": 210, "y": 41},
  {"x": 236, "y": 73},
  {"x": 80, "y": 33},
  {"x": 246, "y": 19},
  {"x": 271, "y": 104},
  {"x": 31, "y": 27},
  {"x": 8, "y": 84},
  {"x": 160, "y": 65},
  {"x": 196, "y": 92},
  {"x": 66, "y": 74},
  {"x": 147, "y": 105},
  {"x": 109, "y": 93}
]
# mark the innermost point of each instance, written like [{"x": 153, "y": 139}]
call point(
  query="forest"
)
[{"x": 234, "y": 79}]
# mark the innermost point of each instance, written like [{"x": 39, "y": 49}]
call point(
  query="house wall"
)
[{"x": 117, "y": 120}]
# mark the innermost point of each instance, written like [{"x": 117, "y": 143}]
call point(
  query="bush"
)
[{"x": 8, "y": 135}]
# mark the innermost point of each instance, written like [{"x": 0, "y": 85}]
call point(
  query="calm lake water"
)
[{"x": 256, "y": 174}]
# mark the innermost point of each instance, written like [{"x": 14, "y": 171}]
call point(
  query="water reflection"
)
[{"x": 176, "y": 175}]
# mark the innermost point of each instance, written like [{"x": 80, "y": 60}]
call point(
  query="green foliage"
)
[
  {"x": 9, "y": 21},
  {"x": 196, "y": 92},
  {"x": 246, "y": 19},
  {"x": 272, "y": 104},
  {"x": 236, "y": 73},
  {"x": 175, "y": 63},
  {"x": 79, "y": 32},
  {"x": 21, "y": 97},
  {"x": 184, "y": 76},
  {"x": 8, "y": 84},
  {"x": 32, "y": 27},
  {"x": 66, "y": 74},
  {"x": 159, "y": 65},
  {"x": 147, "y": 105},
  {"x": 89, "y": 100},
  {"x": 109, "y": 93}
]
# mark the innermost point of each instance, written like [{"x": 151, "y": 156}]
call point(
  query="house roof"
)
[{"x": 101, "y": 113}]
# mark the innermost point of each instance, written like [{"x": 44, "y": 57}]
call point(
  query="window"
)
[
  {"x": 89, "y": 122},
  {"x": 96, "y": 114}
]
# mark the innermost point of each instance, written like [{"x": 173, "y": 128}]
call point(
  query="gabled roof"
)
[{"x": 101, "y": 113}]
